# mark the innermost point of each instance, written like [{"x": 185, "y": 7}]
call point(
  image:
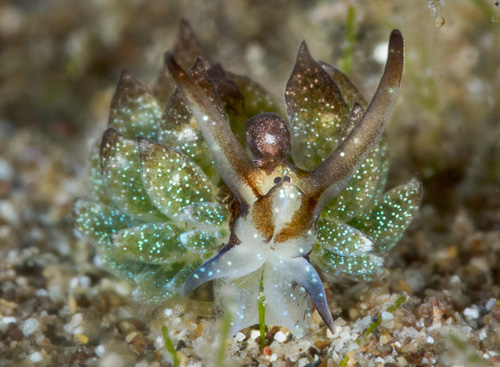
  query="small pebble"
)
[
  {"x": 36, "y": 357},
  {"x": 72, "y": 304},
  {"x": 30, "y": 326},
  {"x": 100, "y": 350},
  {"x": 5, "y": 321},
  {"x": 321, "y": 344},
  {"x": 82, "y": 338},
  {"x": 6, "y": 172},
  {"x": 491, "y": 302},
  {"x": 112, "y": 359},
  {"x": 481, "y": 263},
  {"x": 239, "y": 337},
  {"x": 8, "y": 213},
  {"x": 181, "y": 344},
  {"x": 385, "y": 337},
  {"x": 124, "y": 313},
  {"x": 199, "y": 330},
  {"x": 130, "y": 336},
  {"x": 420, "y": 323},
  {"x": 254, "y": 334},
  {"x": 14, "y": 332},
  {"x": 74, "y": 326},
  {"x": 387, "y": 316},
  {"x": 85, "y": 281},
  {"x": 440, "y": 21},
  {"x": 471, "y": 313},
  {"x": 280, "y": 336}
]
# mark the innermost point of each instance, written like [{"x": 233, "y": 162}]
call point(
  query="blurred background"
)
[{"x": 60, "y": 61}]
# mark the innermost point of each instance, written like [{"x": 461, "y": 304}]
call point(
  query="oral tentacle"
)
[
  {"x": 240, "y": 297},
  {"x": 287, "y": 303},
  {"x": 232, "y": 162},
  {"x": 331, "y": 176},
  {"x": 233, "y": 261},
  {"x": 298, "y": 271}
]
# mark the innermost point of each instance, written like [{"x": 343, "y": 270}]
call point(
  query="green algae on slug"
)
[{"x": 220, "y": 186}]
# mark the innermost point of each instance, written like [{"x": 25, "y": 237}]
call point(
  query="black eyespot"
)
[
  {"x": 277, "y": 180},
  {"x": 287, "y": 179}
]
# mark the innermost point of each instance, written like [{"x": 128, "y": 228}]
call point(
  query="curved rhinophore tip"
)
[
  {"x": 395, "y": 59},
  {"x": 396, "y": 40}
]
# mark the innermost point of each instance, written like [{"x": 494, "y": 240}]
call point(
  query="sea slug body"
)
[{"x": 221, "y": 187}]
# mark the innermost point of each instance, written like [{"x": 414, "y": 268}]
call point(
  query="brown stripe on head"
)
[
  {"x": 302, "y": 221},
  {"x": 262, "y": 216}
]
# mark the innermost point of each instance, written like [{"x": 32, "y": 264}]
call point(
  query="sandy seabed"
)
[{"x": 439, "y": 305}]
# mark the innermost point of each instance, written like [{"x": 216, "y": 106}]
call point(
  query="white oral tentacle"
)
[
  {"x": 294, "y": 278},
  {"x": 287, "y": 303},
  {"x": 234, "y": 263}
]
